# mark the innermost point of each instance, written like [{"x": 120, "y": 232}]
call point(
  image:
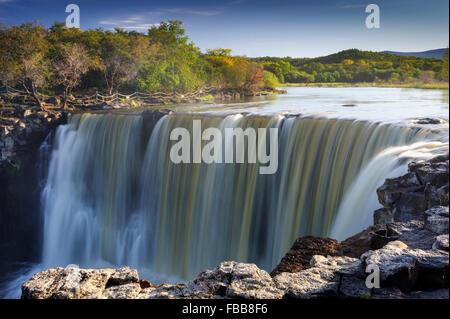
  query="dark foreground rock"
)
[{"x": 304, "y": 248}]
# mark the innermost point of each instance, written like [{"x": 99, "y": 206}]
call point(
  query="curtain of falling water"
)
[
  {"x": 108, "y": 199},
  {"x": 88, "y": 198}
]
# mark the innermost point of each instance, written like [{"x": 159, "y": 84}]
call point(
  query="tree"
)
[
  {"x": 23, "y": 49},
  {"x": 443, "y": 74},
  {"x": 177, "y": 64},
  {"x": 117, "y": 63},
  {"x": 70, "y": 65},
  {"x": 219, "y": 52},
  {"x": 254, "y": 77},
  {"x": 270, "y": 80}
]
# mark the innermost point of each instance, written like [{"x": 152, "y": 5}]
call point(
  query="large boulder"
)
[
  {"x": 434, "y": 171},
  {"x": 372, "y": 238},
  {"x": 310, "y": 283},
  {"x": 327, "y": 277},
  {"x": 228, "y": 280},
  {"x": 75, "y": 283},
  {"x": 409, "y": 269},
  {"x": 412, "y": 234},
  {"x": 382, "y": 216},
  {"x": 441, "y": 243},
  {"x": 238, "y": 280},
  {"x": 124, "y": 291},
  {"x": 437, "y": 219},
  {"x": 423, "y": 187}
]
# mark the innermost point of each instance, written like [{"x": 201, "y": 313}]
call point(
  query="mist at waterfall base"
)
[{"x": 111, "y": 196}]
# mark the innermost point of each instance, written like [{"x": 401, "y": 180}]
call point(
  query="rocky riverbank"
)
[
  {"x": 408, "y": 243},
  {"x": 23, "y": 126}
]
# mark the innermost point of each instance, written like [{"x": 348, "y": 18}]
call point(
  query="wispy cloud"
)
[
  {"x": 3, "y": 1},
  {"x": 132, "y": 22},
  {"x": 351, "y": 6},
  {"x": 192, "y": 11},
  {"x": 238, "y": 1}
]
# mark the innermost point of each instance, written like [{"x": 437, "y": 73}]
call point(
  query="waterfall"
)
[{"x": 113, "y": 196}]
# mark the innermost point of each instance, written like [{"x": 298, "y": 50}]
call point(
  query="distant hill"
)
[
  {"x": 352, "y": 54},
  {"x": 352, "y": 66},
  {"x": 430, "y": 54}
]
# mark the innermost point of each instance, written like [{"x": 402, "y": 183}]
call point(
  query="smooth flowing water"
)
[{"x": 112, "y": 196}]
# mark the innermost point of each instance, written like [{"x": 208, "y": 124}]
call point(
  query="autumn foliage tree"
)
[
  {"x": 23, "y": 50},
  {"x": 71, "y": 63},
  {"x": 254, "y": 77}
]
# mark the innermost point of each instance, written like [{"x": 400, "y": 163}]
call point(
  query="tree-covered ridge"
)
[
  {"x": 353, "y": 65},
  {"x": 61, "y": 60}
]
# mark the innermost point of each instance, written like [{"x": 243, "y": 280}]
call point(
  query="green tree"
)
[{"x": 24, "y": 61}]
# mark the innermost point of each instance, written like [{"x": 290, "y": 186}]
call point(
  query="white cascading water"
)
[
  {"x": 114, "y": 198},
  {"x": 390, "y": 163}
]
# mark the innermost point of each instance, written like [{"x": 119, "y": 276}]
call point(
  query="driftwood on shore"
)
[{"x": 97, "y": 99}]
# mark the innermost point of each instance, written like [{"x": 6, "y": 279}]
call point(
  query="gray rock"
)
[
  {"x": 340, "y": 264},
  {"x": 409, "y": 269},
  {"x": 163, "y": 292},
  {"x": 43, "y": 284},
  {"x": 353, "y": 288},
  {"x": 382, "y": 216},
  {"x": 308, "y": 284},
  {"x": 408, "y": 196},
  {"x": 250, "y": 282},
  {"x": 443, "y": 194},
  {"x": 412, "y": 233},
  {"x": 430, "y": 120},
  {"x": 393, "y": 188},
  {"x": 66, "y": 283},
  {"x": 125, "y": 291},
  {"x": 237, "y": 280},
  {"x": 228, "y": 280},
  {"x": 328, "y": 277},
  {"x": 410, "y": 206},
  {"x": 123, "y": 275},
  {"x": 83, "y": 284},
  {"x": 441, "y": 243},
  {"x": 437, "y": 220},
  {"x": 431, "y": 172}
]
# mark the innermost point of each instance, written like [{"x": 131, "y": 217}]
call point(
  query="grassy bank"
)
[{"x": 442, "y": 86}]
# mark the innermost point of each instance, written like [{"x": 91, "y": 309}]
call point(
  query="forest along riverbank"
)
[{"x": 408, "y": 243}]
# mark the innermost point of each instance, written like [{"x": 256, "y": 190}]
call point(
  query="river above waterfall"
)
[
  {"x": 112, "y": 197},
  {"x": 363, "y": 103}
]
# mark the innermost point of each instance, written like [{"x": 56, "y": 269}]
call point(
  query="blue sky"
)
[{"x": 259, "y": 27}]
